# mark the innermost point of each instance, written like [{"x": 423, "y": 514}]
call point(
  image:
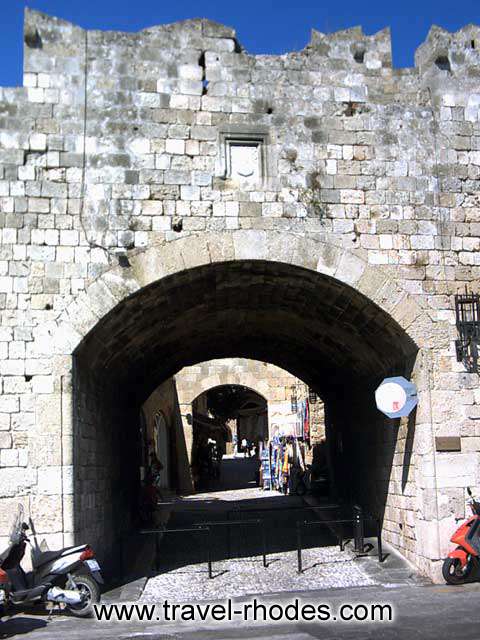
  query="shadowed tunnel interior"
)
[{"x": 321, "y": 330}]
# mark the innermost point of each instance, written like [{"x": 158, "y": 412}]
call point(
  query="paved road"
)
[{"x": 421, "y": 612}]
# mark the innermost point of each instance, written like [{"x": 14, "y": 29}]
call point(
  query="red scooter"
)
[{"x": 462, "y": 563}]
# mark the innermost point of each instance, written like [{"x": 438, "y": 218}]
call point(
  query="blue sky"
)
[{"x": 272, "y": 26}]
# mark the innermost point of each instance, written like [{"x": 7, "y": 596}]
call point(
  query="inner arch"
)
[{"x": 301, "y": 320}]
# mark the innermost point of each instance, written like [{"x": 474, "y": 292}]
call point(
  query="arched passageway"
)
[
  {"x": 227, "y": 420},
  {"x": 321, "y": 330}
]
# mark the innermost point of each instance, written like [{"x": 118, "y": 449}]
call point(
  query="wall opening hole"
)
[
  {"x": 28, "y": 378},
  {"x": 270, "y": 110},
  {"x": 48, "y": 307},
  {"x": 201, "y": 63},
  {"x": 123, "y": 261},
  {"x": 350, "y": 109},
  {"x": 472, "y": 44},
  {"x": 359, "y": 56},
  {"x": 177, "y": 225},
  {"x": 32, "y": 38},
  {"x": 443, "y": 63}
]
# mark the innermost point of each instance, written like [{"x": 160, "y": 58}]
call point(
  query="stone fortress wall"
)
[{"x": 118, "y": 143}]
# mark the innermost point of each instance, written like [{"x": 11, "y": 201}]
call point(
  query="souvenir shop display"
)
[
  {"x": 286, "y": 455},
  {"x": 266, "y": 469},
  {"x": 287, "y": 462}
]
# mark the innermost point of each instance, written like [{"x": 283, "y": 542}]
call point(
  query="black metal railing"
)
[
  {"x": 358, "y": 524},
  {"x": 340, "y": 527},
  {"x": 207, "y": 527}
]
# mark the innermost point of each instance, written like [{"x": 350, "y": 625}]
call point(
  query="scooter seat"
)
[{"x": 47, "y": 556}]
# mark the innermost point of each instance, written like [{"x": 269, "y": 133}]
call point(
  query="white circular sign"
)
[{"x": 390, "y": 397}]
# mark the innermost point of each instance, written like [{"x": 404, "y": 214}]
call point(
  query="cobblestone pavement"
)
[
  {"x": 229, "y": 495},
  {"x": 324, "y": 568},
  {"x": 236, "y": 548},
  {"x": 184, "y": 575},
  {"x": 237, "y": 482}
]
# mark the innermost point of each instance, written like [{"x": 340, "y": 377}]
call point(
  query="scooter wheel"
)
[
  {"x": 90, "y": 589},
  {"x": 453, "y": 573}
]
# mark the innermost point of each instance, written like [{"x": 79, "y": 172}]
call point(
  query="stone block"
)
[
  {"x": 44, "y": 450},
  {"x": 8, "y": 511},
  {"x": 46, "y": 513},
  {"x": 48, "y": 414},
  {"x": 457, "y": 470},
  {"x": 5, "y": 440},
  {"x": 49, "y": 480},
  {"x": 350, "y": 268},
  {"x": 193, "y": 255},
  {"x": 14, "y": 481},
  {"x": 250, "y": 209},
  {"x": 281, "y": 247},
  {"x": 221, "y": 248},
  {"x": 9, "y": 458},
  {"x": 250, "y": 245},
  {"x": 328, "y": 258},
  {"x": 175, "y": 146},
  {"x": 8, "y": 404}
]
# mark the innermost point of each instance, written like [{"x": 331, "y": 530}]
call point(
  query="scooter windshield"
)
[{"x": 16, "y": 528}]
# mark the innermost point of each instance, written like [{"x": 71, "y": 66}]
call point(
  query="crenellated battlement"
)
[
  {"x": 457, "y": 54},
  {"x": 353, "y": 46},
  {"x": 48, "y": 38}
]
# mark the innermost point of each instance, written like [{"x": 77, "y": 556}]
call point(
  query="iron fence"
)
[{"x": 340, "y": 527}]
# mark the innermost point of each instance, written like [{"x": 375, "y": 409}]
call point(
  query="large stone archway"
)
[{"x": 362, "y": 306}]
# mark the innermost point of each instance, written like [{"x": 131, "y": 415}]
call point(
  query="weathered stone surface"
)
[
  {"x": 46, "y": 513},
  {"x": 15, "y": 481},
  {"x": 350, "y": 187},
  {"x": 250, "y": 245}
]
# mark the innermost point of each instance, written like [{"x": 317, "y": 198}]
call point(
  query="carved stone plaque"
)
[
  {"x": 244, "y": 162},
  {"x": 448, "y": 443}
]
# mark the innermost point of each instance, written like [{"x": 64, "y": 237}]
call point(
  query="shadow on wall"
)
[
  {"x": 369, "y": 469},
  {"x": 407, "y": 454}
]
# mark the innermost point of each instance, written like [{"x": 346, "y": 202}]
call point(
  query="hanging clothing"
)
[
  {"x": 285, "y": 461},
  {"x": 300, "y": 460},
  {"x": 306, "y": 422},
  {"x": 299, "y": 422}
]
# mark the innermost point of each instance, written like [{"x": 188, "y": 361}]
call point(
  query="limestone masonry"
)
[{"x": 167, "y": 198}]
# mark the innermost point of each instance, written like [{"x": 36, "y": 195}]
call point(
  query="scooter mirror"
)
[{"x": 469, "y": 491}]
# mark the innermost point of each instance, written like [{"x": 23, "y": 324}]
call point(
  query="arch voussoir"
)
[{"x": 196, "y": 250}]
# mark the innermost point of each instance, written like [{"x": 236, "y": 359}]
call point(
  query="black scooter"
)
[{"x": 69, "y": 576}]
